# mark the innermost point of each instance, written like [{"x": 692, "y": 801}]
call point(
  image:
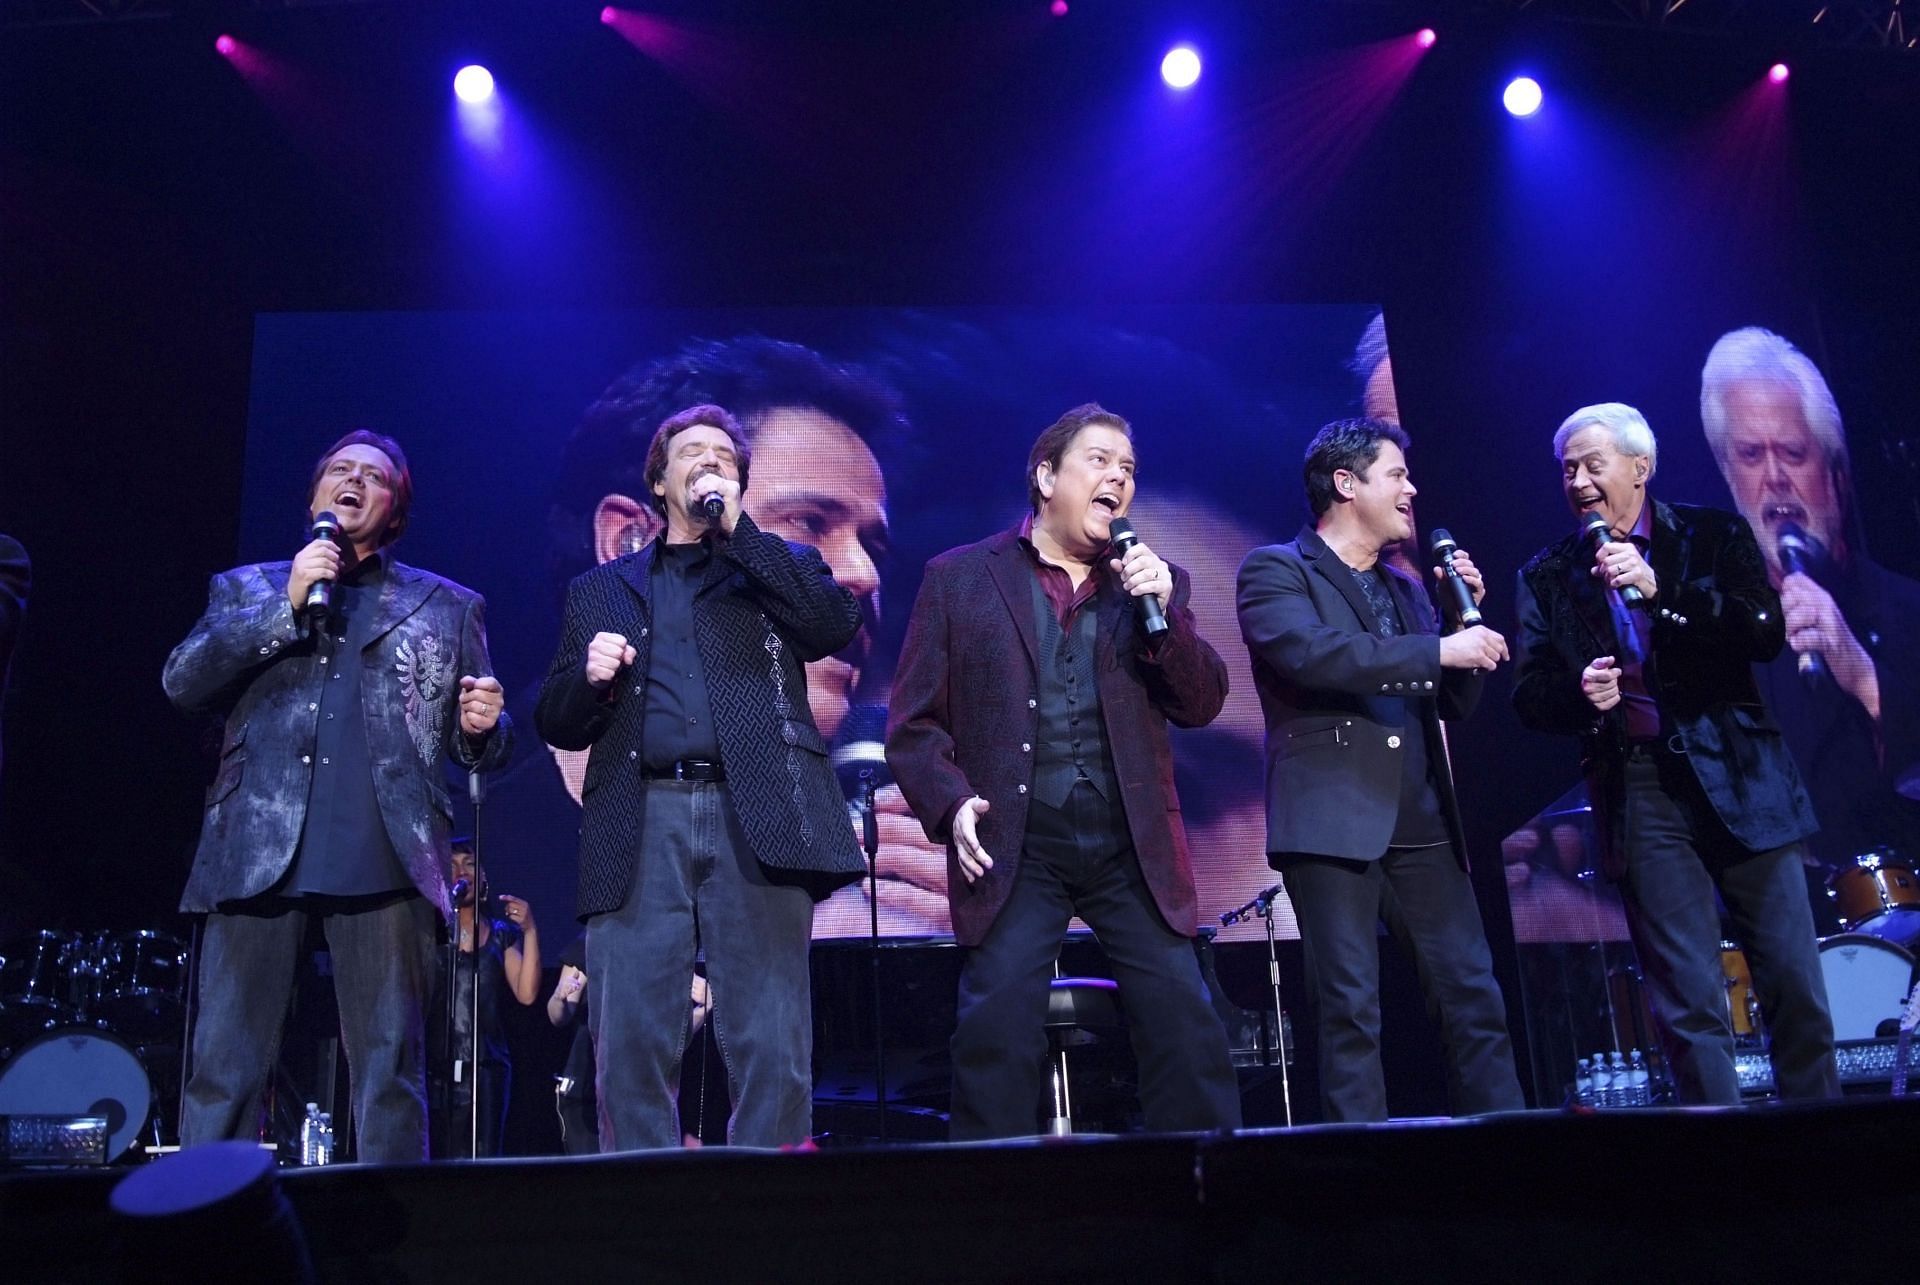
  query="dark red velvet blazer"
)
[{"x": 964, "y": 712}]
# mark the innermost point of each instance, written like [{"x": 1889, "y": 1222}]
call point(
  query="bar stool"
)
[{"x": 1079, "y": 1011}]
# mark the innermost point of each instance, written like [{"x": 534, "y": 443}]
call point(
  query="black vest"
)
[{"x": 1071, "y": 742}]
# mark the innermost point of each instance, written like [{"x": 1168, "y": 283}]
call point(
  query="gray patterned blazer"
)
[
  {"x": 250, "y": 659},
  {"x": 765, "y": 608}
]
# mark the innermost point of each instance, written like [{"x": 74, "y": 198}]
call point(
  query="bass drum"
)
[
  {"x": 1867, "y": 983},
  {"x": 76, "y": 1071}
]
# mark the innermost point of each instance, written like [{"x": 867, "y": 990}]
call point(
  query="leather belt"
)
[
  {"x": 1652, "y": 749},
  {"x": 686, "y": 770}
]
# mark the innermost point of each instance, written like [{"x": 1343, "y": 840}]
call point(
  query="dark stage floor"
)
[{"x": 1811, "y": 1193}]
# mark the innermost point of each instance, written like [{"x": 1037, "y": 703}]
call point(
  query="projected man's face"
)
[
  {"x": 1775, "y": 467},
  {"x": 816, "y": 482}
]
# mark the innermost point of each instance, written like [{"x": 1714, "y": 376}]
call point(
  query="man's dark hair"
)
[
  {"x": 749, "y": 375},
  {"x": 402, "y": 480},
  {"x": 676, "y": 424},
  {"x": 461, "y": 843},
  {"x": 1051, "y": 446},
  {"x": 1350, "y": 444}
]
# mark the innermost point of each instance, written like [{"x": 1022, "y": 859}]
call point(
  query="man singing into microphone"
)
[
  {"x": 712, "y": 820},
  {"x": 1850, "y": 711},
  {"x": 1691, "y": 784},
  {"x": 1028, "y": 730},
  {"x": 1362, "y": 822},
  {"x": 328, "y": 802}
]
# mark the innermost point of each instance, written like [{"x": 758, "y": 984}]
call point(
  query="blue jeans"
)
[
  {"x": 381, "y": 976},
  {"x": 1677, "y": 851},
  {"x": 698, "y": 887}
]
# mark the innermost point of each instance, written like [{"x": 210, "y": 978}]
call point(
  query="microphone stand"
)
[
  {"x": 1262, "y": 906},
  {"x": 870, "y": 839},
  {"x": 477, "y": 793}
]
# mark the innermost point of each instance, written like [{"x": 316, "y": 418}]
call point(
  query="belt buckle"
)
[
  {"x": 1674, "y": 745},
  {"x": 679, "y": 769}
]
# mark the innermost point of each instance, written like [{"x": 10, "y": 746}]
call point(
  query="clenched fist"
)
[
  {"x": 320, "y": 560},
  {"x": 605, "y": 655}
]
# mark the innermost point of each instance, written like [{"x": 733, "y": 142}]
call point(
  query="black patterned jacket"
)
[
  {"x": 1715, "y": 618},
  {"x": 249, "y": 658},
  {"x": 764, "y": 609}
]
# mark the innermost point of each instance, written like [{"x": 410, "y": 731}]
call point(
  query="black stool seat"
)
[{"x": 1078, "y": 1006}]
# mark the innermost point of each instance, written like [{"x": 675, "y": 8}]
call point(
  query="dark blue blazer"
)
[
  {"x": 1333, "y": 694},
  {"x": 1716, "y": 617}
]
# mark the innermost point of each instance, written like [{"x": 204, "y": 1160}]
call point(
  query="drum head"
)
[
  {"x": 1867, "y": 982},
  {"x": 80, "y": 1072}
]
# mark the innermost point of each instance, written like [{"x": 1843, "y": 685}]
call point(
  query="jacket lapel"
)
[
  {"x": 1015, "y": 581},
  {"x": 637, "y": 571},
  {"x": 1336, "y": 573},
  {"x": 402, "y": 594}
]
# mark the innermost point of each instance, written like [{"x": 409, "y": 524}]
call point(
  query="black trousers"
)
[
  {"x": 381, "y": 975},
  {"x": 1079, "y": 860},
  {"x": 1677, "y": 851},
  {"x": 1427, "y": 902}
]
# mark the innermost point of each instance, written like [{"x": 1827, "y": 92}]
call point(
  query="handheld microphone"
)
[
  {"x": 320, "y": 593},
  {"x": 1153, "y": 619},
  {"x": 1595, "y": 528},
  {"x": 714, "y": 506},
  {"x": 461, "y": 887},
  {"x": 1465, "y": 610},
  {"x": 1799, "y": 554}
]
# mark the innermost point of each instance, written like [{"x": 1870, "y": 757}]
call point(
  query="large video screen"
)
[{"x": 911, "y": 437}]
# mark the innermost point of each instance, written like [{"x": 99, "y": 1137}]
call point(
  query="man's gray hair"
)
[
  {"x": 1631, "y": 433},
  {"x": 1753, "y": 354}
]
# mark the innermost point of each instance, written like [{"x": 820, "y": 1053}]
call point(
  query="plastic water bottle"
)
[
  {"x": 1641, "y": 1081},
  {"x": 1602, "y": 1081},
  {"x": 1583, "y": 1083},
  {"x": 316, "y": 1137},
  {"x": 1622, "y": 1086}
]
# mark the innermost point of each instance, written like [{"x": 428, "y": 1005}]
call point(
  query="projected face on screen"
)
[{"x": 1778, "y": 472}]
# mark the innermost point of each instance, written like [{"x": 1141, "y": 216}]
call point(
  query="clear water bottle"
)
[
  {"x": 1622, "y": 1090},
  {"x": 1640, "y": 1080},
  {"x": 316, "y": 1137},
  {"x": 1602, "y": 1081},
  {"x": 1583, "y": 1083}
]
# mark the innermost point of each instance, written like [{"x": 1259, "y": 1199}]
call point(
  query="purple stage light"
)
[
  {"x": 225, "y": 45},
  {"x": 473, "y": 84},
  {"x": 1181, "y": 67},
  {"x": 1778, "y": 73},
  {"x": 608, "y": 14},
  {"x": 1522, "y": 97},
  {"x": 1426, "y": 36},
  {"x": 1058, "y": 8}
]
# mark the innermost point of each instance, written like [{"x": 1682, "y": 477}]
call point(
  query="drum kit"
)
[
  {"x": 89, "y": 1023},
  {"x": 1869, "y": 966}
]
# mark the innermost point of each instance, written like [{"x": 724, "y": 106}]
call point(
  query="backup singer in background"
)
[
  {"x": 712, "y": 819},
  {"x": 1028, "y": 730},
  {"x": 502, "y": 956},
  {"x": 1362, "y": 821},
  {"x": 1691, "y": 783},
  {"x": 328, "y": 804}
]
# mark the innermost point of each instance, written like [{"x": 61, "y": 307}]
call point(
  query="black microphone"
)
[
  {"x": 461, "y": 887},
  {"x": 1465, "y": 610},
  {"x": 1597, "y": 534},
  {"x": 1153, "y": 620},
  {"x": 320, "y": 593},
  {"x": 1799, "y": 554},
  {"x": 714, "y": 506}
]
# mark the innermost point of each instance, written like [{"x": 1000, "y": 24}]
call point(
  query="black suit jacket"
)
[
  {"x": 1716, "y": 617},
  {"x": 1329, "y": 687},
  {"x": 764, "y": 609}
]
